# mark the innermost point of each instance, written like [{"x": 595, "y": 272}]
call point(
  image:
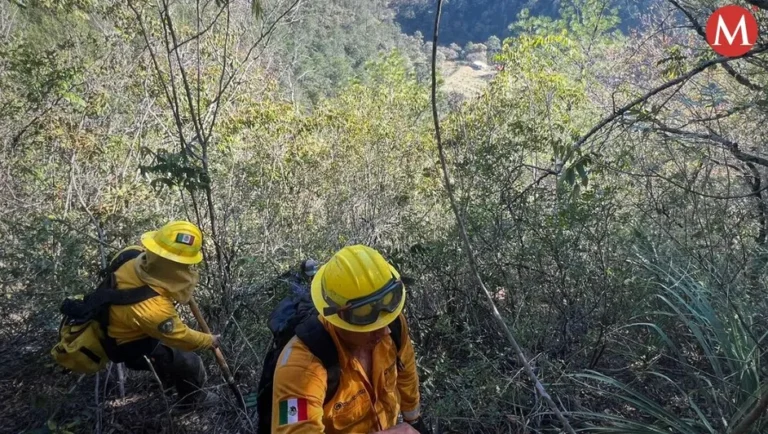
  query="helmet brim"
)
[
  {"x": 317, "y": 299},
  {"x": 148, "y": 241}
]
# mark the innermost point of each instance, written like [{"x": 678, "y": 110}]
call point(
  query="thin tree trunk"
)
[{"x": 465, "y": 238}]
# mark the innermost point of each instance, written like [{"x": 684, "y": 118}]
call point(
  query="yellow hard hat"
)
[
  {"x": 178, "y": 241},
  {"x": 358, "y": 290}
]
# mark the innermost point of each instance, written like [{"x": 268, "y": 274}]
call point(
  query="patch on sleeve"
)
[
  {"x": 293, "y": 410},
  {"x": 166, "y": 327}
]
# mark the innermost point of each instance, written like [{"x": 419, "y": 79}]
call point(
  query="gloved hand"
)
[{"x": 420, "y": 426}]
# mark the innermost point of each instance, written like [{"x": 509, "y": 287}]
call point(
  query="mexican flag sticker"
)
[
  {"x": 293, "y": 410},
  {"x": 185, "y": 239}
]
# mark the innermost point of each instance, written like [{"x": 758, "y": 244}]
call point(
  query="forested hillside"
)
[
  {"x": 328, "y": 42},
  {"x": 477, "y": 20},
  {"x": 611, "y": 187}
]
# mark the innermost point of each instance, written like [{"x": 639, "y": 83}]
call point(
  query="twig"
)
[
  {"x": 468, "y": 246},
  {"x": 655, "y": 174},
  {"x": 200, "y": 33},
  {"x": 250, "y": 51},
  {"x": 106, "y": 378},
  {"x": 121, "y": 380},
  {"x": 245, "y": 338},
  {"x": 171, "y": 101},
  {"x": 729, "y": 145},
  {"x": 79, "y": 231},
  {"x": 753, "y": 415},
  {"x": 72, "y": 389},
  {"x": 195, "y": 117},
  {"x": 162, "y": 391},
  {"x": 98, "y": 406}
]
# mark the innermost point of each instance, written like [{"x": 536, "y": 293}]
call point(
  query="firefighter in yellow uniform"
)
[
  {"x": 152, "y": 327},
  {"x": 358, "y": 295}
]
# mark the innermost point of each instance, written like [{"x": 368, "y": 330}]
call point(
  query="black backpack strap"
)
[
  {"x": 124, "y": 297},
  {"x": 117, "y": 261},
  {"x": 321, "y": 344},
  {"x": 396, "y": 332}
]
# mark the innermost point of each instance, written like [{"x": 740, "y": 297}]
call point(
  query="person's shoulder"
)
[
  {"x": 296, "y": 360},
  {"x": 126, "y": 276},
  {"x": 297, "y": 353}
]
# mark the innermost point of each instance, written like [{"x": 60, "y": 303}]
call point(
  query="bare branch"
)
[
  {"x": 720, "y": 116},
  {"x": 221, "y": 79},
  {"x": 171, "y": 101},
  {"x": 674, "y": 183},
  {"x": 250, "y": 51},
  {"x": 729, "y": 145},
  {"x": 99, "y": 412},
  {"x": 184, "y": 81},
  {"x": 690, "y": 74},
  {"x": 200, "y": 33},
  {"x": 162, "y": 391}
]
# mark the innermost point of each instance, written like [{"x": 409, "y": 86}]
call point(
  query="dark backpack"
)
[
  {"x": 296, "y": 316},
  {"x": 94, "y": 308}
]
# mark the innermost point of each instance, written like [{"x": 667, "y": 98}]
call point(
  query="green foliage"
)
[
  {"x": 718, "y": 350},
  {"x": 42, "y": 75},
  {"x": 329, "y": 43},
  {"x": 175, "y": 169},
  {"x": 325, "y": 138}
]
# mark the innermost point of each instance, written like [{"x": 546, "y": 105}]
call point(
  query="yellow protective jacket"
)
[
  {"x": 156, "y": 317},
  {"x": 360, "y": 405}
]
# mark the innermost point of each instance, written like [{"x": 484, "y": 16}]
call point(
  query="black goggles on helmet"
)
[{"x": 365, "y": 310}]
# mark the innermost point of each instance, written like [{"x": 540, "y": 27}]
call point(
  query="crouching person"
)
[{"x": 151, "y": 329}]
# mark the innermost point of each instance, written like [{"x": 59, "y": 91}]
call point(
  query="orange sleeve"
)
[
  {"x": 298, "y": 392},
  {"x": 408, "y": 378}
]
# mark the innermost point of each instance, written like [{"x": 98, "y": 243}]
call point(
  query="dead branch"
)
[
  {"x": 98, "y": 405},
  {"x": 162, "y": 391},
  {"x": 145, "y": 34}
]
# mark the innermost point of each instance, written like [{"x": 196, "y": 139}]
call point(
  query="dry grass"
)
[{"x": 465, "y": 80}]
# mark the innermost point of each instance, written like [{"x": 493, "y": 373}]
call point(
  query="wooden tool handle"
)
[{"x": 217, "y": 352}]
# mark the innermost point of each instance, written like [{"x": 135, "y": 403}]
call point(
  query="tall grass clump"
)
[{"x": 697, "y": 359}]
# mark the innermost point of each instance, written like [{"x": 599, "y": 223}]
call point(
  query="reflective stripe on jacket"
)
[
  {"x": 359, "y": 406},
  {"x": 156, "y": 317}
]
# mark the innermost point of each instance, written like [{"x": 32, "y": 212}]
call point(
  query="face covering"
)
[{"x": 178, "y": 279}]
